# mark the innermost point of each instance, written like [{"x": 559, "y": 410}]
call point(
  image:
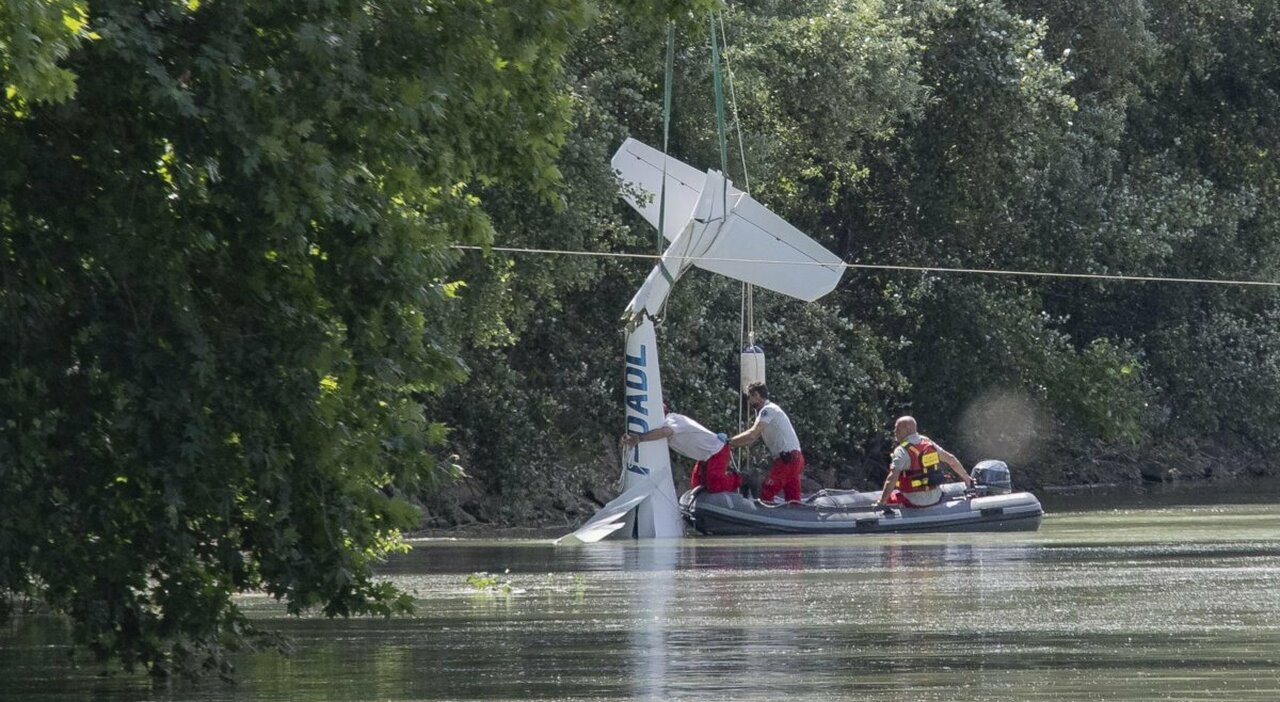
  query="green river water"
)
[{"x": 1154, "y": 597}]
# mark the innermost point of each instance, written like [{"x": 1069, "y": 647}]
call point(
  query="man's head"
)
[
  {"x": 904, "y": 427},
  {"x": 757, "y": 395}
]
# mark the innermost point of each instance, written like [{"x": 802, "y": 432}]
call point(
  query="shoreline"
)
[{"x": 1207, "y": 491}]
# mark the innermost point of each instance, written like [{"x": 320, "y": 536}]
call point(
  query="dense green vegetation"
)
[
  {"x": 1133, "y": 137},
  {"x": 224, "y": 232},
  {"x": 239, "y": 344}
]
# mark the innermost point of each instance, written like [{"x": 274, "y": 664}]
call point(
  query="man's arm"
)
[
  {"x": 890, "y": 481},
  {"x": 631, "y": 438},
  {"x": 898, "y": 462},
  {"x": 955, "y": 465},
  {"x": 747, "y": 437}
]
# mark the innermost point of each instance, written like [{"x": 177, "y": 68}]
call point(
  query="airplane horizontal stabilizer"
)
[
  {"x": 750, "y": 243},
  {"x": 759, "y": 247},
  {"x": 639, "y": 168}
]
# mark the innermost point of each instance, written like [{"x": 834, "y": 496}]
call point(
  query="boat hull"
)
[{"x": 849, "y": 512}]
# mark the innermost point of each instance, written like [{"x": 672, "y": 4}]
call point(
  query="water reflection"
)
[
  {"x": 657, "y": 561},
  {"x": 1144, "y": 602},
  {"x": 758, "y": 554}
]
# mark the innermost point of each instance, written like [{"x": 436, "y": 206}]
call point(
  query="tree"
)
[
  {"x": 1079, "y": 136},
  {"x": 928, "y": 132},
  {"x": 225, "y": 263},
  {"x": 34, "y": 36}
]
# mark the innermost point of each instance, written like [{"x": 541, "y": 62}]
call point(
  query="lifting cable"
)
[
  {"x": 733, "y": 103},
  {"x": 746, "y": 317},
  {"x": 720, "y": 123},
  {"x": 666, "y": 132},
  {"x": 660, "y": 242}
]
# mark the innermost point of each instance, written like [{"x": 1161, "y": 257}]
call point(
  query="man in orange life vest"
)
[
  {"x": 689, "y": 438},
  {"x": 914, "y": 469},
  {"x": 773, "y": 425}
]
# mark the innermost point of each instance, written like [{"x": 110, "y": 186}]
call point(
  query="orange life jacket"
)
[{"x": 924, "y": 472}]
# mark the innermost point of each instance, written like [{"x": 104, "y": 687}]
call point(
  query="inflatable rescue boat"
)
[{"x": 990, "y": 505}]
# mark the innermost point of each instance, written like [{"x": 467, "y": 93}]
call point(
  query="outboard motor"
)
[{"x": 994, "y": 475}]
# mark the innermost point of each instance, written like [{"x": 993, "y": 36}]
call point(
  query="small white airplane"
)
[{"x": 716, "y": 227}]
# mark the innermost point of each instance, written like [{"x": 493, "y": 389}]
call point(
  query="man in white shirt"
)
[
  {"x": 773, "y": 425},
  {"x": 689, "y": 438}
]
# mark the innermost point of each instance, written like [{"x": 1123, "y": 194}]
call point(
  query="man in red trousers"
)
[
  {"x": 689, "y": 438},
  {"x": 773, "y": 425}
]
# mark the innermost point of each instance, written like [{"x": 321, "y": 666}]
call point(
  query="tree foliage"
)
[
  {"x": 225, "y": 272},
  {"x": 35, "y": 35},
  {"x": 1109, "y": 138},
  {"x": 239, "y": 330}
]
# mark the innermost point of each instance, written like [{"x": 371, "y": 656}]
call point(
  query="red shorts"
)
[
  {"x": 716, "y": 472},
  {"x": 784, "y": 476}
]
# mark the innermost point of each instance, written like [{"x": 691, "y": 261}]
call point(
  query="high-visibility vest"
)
[{"x": 924, "y": 471}]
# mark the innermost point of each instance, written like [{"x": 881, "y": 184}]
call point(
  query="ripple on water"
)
[{"x": 1137, "y": 603}]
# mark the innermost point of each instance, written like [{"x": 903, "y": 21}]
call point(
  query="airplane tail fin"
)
[{"x": 717, "y": 227}]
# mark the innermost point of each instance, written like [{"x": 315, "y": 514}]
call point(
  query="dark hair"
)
[{"x": 759, "y": 389}]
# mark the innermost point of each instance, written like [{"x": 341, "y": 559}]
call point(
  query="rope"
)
[
  {"x": 720, "y": 124},
  {"x": 742, "y": 315},
  {"x": 742, "y": 455},
  {"x": 666, "y": 130},
  {"x": 733, "y": 103},
  {"x": 890, "y": 267},
  {"x": 747, "y": 314}
]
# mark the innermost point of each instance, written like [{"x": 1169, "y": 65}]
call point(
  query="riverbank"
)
[{"x": 1101, "y": 477}]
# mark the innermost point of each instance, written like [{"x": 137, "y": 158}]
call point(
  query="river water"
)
[{"x": 1152, "y": 597}]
